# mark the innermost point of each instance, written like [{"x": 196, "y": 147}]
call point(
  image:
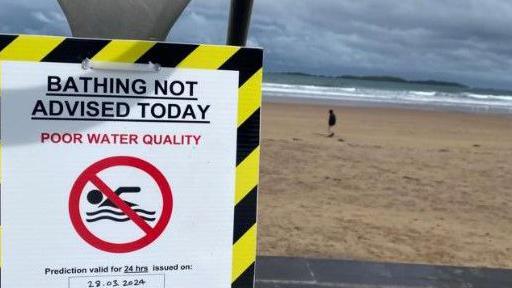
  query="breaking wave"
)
[{"x": 463, "y": 99}]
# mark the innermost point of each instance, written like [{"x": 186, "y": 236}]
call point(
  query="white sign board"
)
[{"x": 117, "y": 179}]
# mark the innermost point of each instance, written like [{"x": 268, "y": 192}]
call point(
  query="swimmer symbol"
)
[{"x": 109, "y": 211}]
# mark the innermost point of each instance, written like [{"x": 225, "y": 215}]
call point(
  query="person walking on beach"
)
[{"x": 332, "y": 122}]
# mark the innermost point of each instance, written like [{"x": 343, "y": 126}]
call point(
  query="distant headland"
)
[{"x": 383, "y": 79}]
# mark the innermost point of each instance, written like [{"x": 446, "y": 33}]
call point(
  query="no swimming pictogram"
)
[{"x": 126, "y": 210}]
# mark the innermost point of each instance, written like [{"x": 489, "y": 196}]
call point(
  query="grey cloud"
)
[
  {"x": 32, "y": 17},
  {"x": 455, "y": 40},
  {"x": 460, "y": 40},
  {"x": 202, "y": 22}
]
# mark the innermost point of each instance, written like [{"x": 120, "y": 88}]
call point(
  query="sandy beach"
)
[{"x": 392, "y": 185}]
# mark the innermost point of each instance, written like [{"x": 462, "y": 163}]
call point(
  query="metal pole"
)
[
  {"x": 239, "y": 21},
  {"x": 122, "y": 19}
]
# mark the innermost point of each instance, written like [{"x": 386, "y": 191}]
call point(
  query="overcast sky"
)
[{"x": 468, "y": 41}]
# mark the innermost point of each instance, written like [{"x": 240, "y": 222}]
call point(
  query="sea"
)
[{"x": 288, "y": 87}]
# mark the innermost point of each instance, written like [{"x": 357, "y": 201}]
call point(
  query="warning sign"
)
[{"x": 123, "y": 174}]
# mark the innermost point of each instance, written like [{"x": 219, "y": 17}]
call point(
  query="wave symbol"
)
[{"x": 118, "y": 215}]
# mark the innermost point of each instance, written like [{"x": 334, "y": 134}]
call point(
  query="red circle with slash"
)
[{"x": 90, "y": 174}]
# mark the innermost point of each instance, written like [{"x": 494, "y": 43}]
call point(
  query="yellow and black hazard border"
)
[{"x": 247, "y": 61}]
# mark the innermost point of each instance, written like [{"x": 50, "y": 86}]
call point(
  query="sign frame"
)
[{"x": 248, "y": 63}]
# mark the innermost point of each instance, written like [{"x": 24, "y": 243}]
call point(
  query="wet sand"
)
[{"x": 391, "y": 185}]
